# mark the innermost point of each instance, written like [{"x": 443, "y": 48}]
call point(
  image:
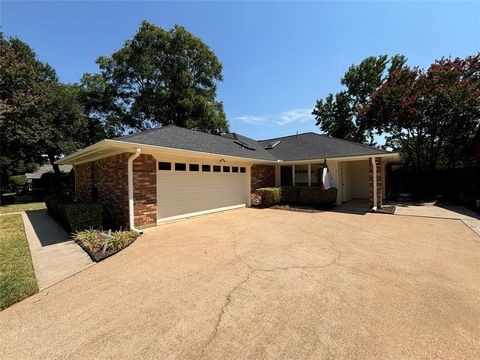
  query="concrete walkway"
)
[
  {"x": 55, "y": 257},
  {"x": 434, "y": 210}
]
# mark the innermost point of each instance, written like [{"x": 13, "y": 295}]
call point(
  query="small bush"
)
[
  {"x": 17, "y": 181},
  {"x": 269, "y": 196},
  {"x": 121, "y": 239},
  {"x": 89, "y": 238}
]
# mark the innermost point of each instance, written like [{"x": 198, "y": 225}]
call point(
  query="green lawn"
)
[
  {"x": 21, "y": 207},
  {"x": 17, "y": 278}
]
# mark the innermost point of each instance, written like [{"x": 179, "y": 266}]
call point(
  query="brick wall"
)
[
  {"x": 145, "y": 190},
  {"x": 262, "y": 176},
  {"x": 378, "y": 165},
  {"x": 110, "y": 178}
]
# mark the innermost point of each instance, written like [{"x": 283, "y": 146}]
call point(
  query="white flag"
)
[{"x": 325, "y": 178}]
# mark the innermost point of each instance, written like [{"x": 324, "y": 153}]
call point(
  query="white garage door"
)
[{"x": 185, "y": 190}]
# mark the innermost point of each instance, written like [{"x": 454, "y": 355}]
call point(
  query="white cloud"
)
[
  {"x": 284, "y": 118},
  {"x": 247, "y": 119}
]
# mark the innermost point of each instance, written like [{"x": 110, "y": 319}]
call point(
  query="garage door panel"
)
[{"x": 184, "y": 193}]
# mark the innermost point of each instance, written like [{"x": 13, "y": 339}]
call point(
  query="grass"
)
[
  {"x": 21, "y": 207},
  {"x": 17, "y": 277}
]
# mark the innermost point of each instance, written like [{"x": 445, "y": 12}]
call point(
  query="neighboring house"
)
[
  {"x": 33, "y": 179},
  {"x": 171, "y": 172}
]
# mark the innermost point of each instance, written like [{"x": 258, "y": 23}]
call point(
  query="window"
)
[
  {"x": 216, "y": 168},
  {"x": 206, "y": 168},
  {"x": 164, "y": 166},
  {"x": 235, "y": 169},
  {"x": 180, "y": 167},
  {"x": 242, "y": 169},
  {"x": 226, "y": 169},
  {"x": 194, "y": 167}
]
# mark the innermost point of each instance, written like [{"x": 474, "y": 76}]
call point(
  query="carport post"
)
[
  {"x": 374, "y": 185},
  {"x": 293, "y": 175},
  {"x": 309, "y": 175}
]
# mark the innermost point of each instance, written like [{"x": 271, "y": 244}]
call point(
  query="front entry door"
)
[{"x": 286, "y": 178}]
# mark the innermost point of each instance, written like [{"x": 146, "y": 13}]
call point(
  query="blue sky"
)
[{"x": 278, "y": 58}]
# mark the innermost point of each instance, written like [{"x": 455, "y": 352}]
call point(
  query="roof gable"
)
[
  {"x": 186, "y": 139},
  {"x": 310, "y": 145}
]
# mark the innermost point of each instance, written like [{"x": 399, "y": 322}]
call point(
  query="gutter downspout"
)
[
  {"x": 374, "y": 167},
  {"x": 130, "y": 189}
]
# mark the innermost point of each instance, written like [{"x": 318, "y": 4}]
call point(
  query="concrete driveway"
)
[{"x": 266, "y": 284}]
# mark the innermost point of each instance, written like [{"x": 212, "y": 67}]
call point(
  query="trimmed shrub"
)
[
  {"x": 312, "y": 195},
  {"x": 290, "y": 194},
  {"x": 269, "y": 196},
  {"x": 53, "y": 203},
  {"x": 81, "y": 216},
  {"x": 74, "y": 216}
]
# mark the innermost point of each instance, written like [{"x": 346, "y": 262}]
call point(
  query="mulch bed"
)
[
  {"x": 386, "y": 210},
  {"x": 99, "y": 256},
  {"x": 300, "y": 208}
]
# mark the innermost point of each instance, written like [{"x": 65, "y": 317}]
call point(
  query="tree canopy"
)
[
  {"x": 158, "y": 77},
  {"x": 39, "y": 115},
  {"x": 338, "y": 114},
  {"x": 429, "y": 115}
]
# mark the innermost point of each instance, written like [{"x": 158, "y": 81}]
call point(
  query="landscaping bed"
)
[
  {"x": 93, "y": 242},
  {"x": 300, "y": 208}
]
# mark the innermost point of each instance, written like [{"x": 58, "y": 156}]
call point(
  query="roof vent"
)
[
  {"x": 272, "y": 145},
  {"x": 244, "y": 145}
]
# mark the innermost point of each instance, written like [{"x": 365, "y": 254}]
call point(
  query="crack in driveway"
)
[{"x": 253, "y": 270}]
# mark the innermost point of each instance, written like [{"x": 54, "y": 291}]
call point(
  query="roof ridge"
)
[
  {"x": 142, "y": 132},
  {"x": 354, "y": 142},
  {"x": 288, "y": 136}
]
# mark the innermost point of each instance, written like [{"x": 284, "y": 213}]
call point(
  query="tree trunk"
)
[{"x": 56, "y": 168}]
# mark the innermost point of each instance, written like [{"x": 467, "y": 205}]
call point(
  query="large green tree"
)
[
  {"x": 39, "y": 116},
  {"x": 430, "y": 116},
  {"x": 338, "y": 114},
  {"x": 159, "y": 77}
]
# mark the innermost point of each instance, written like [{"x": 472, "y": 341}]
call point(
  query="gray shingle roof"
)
[
  {"x": 316, "y": 146},
  {"x": 296, "y": 147},
  {"x": 180, "y": 138}
]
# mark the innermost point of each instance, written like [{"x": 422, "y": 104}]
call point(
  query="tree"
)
[
  {"x": 158, "y": 77},
  {"x": 39, "y": 116},
  {"x": 430, "y": 116},
  {"x": 20, "y": 77},
  {"x": 338, "y": 115}
]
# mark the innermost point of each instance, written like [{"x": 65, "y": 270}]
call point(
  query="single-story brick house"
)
[{"x": 169, "y": 173}]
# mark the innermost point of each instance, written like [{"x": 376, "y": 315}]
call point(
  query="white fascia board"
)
[{"x": 393, "y": 156}]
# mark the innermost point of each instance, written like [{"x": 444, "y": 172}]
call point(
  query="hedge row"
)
[
  {"x": 75, "y": 216},
  {"x": 305, "y": 195}
]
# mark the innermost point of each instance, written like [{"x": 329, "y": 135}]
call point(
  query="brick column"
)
[
  {"x": 262, "y": 176},
  {"x": 145, "y": 191},
  {"x": 378, "y": 169}
]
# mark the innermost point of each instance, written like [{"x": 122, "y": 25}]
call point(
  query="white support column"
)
[
  {"x": 293, "y": 175},
  {"x": 309, "y": 175},
  {"x": 278, "y": 177},
  {"x": 248, "y": 185},
  {"x": 374, "y": 165}
]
